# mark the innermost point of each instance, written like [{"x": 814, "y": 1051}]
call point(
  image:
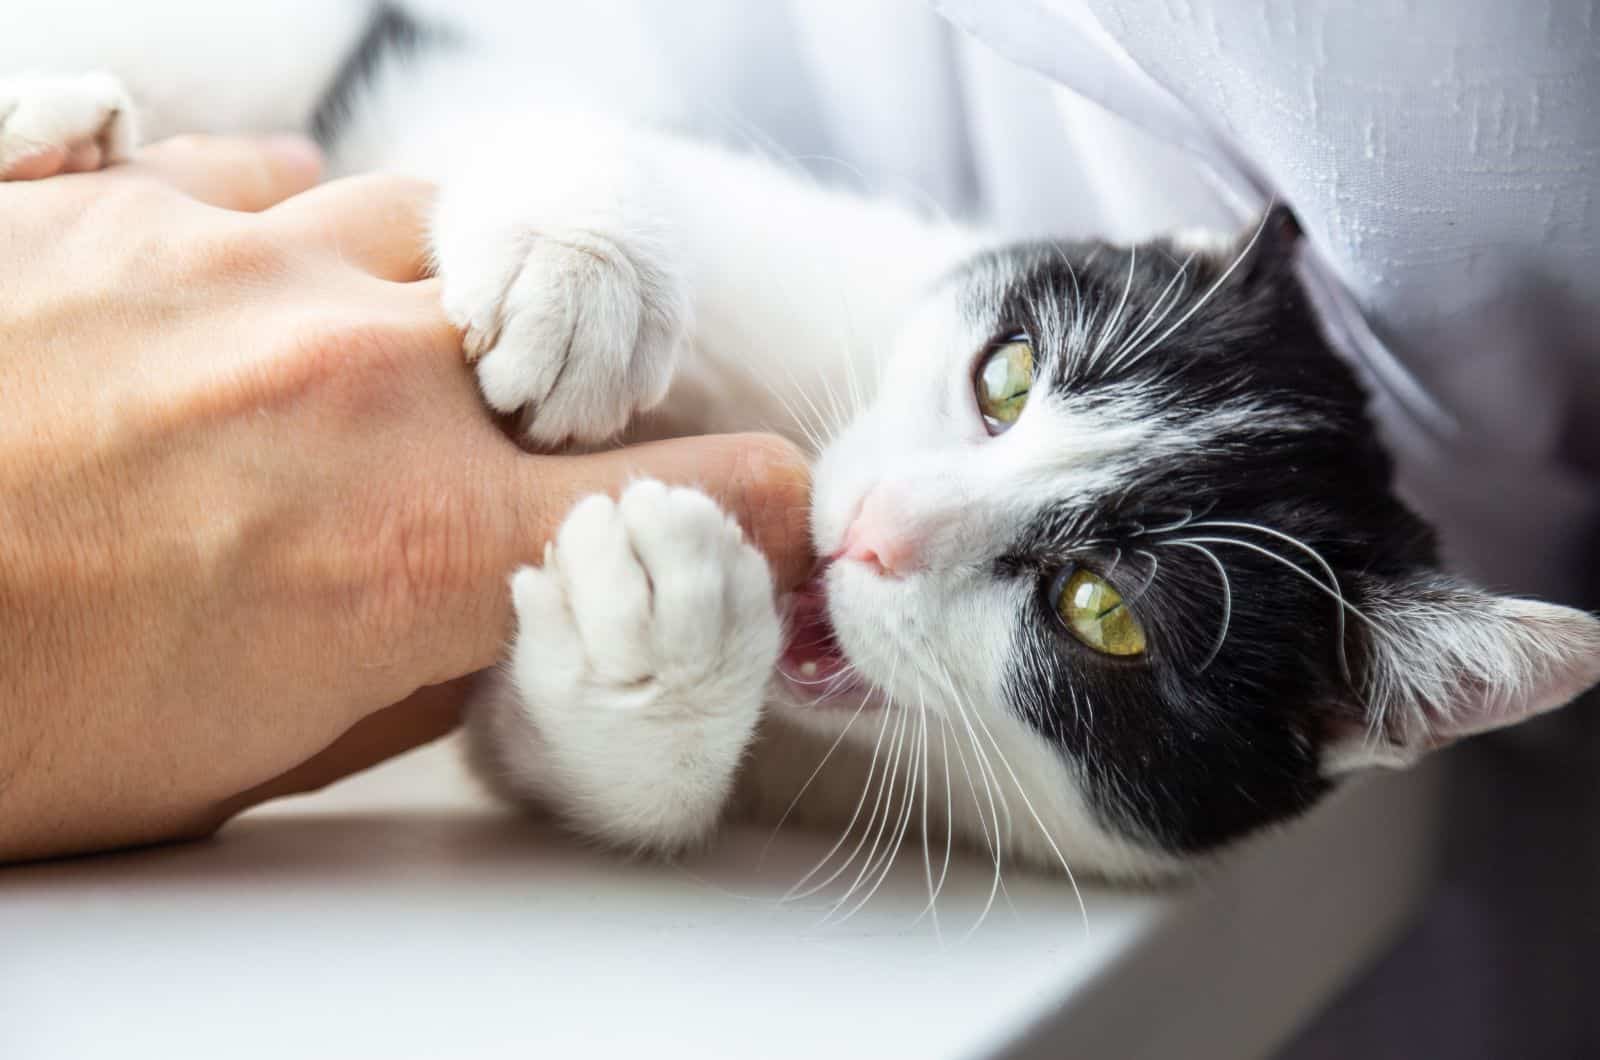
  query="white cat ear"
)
[{"x": 1440, "y": 660}]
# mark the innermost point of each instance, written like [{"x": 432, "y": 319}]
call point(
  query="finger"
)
[
  {"x": 46, "y": 163},
  {"x": 378, "y": 222},
  {"x": 761, "y": 480},
  {"x": 235, "y": 173},
  {"x": 424, "y": 716}
]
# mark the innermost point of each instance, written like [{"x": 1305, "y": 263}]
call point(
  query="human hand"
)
[{"x": 250, "y": 503}]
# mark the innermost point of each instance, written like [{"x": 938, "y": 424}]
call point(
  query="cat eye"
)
[
  {"x": 1002, "y": 382},
  {"x": 1095, "y": 613}
]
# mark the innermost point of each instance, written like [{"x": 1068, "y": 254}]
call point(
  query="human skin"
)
[{"x": 255, "y": 524}]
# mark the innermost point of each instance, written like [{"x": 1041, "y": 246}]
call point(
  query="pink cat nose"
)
[{"x": 879, "y": 540}]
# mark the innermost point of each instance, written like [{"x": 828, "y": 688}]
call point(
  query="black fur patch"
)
[
  {"x": 1204, "y": 738},
  {"x": 390, "y": 32}
]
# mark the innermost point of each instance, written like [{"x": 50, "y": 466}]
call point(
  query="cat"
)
[{"x": 1112, "y": 573}]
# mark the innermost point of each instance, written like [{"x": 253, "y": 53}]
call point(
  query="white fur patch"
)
[
  {"x": 645, "y": 643},
  {"x": 40, "y": 113}
]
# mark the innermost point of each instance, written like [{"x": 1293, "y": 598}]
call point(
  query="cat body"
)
[{"x": 1111, "y": 570}]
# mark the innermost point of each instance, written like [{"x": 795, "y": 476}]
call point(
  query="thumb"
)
[{"x": 761, "y": 480}]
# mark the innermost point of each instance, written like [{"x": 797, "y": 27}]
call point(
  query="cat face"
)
[{"x": 1116, "y": 526}]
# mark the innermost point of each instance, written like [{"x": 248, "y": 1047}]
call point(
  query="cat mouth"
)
[{"x": 813, "y": 663}]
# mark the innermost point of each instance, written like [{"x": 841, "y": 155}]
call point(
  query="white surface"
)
[{"x": 397, "y": 915}]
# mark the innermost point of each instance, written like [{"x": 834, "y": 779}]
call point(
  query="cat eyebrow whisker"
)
[
  {"x": 1227, "y": 598},
  {"x": 1170, "y": 527},
  {"x": 1332, "y": 590},
  {"x": 1238, "y": 260},
  {"x": 1317, "y": 557},
  {"x": 1155, "y": 565},
  {"x": 1158, "y": 312},
  {"x": 1114, "y": 321}
]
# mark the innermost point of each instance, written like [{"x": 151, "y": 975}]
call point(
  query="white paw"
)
[
  {"x": 568, "y": 294},
  {"x": 645, "y": 644},
  {"x": 75, "y": 122}
]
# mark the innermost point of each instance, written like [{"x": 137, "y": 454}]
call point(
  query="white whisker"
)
[
  {"x": 1227, "y": 598},
  {"x": 814, "y": 774},
  {"x": 1212, "y": 290},
  {"x": 866, "y": 787},
  {"x": 886, "y": 802},
  {"x": 1083, "y": 908}
]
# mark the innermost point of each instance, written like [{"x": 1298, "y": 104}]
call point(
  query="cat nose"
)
[{"x": 878, "y": 539}]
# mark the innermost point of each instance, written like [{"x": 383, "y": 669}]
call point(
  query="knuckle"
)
[
  {"x": 232, "y": 251},
  {"x": 188, "y": 146},
  {"x": 394, "y": 189},
  {"x": 127, "y": 203},
  {"x": 344, "y": 358}
]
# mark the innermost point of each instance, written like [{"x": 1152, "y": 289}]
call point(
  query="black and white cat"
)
[{"x": 1113, "y": 571}]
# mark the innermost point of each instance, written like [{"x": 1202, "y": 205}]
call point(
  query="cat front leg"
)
[
  {"x": 644, "y": 646},
  {"x": 52, "y": 124},
  {"x": 563, "y": 277}
]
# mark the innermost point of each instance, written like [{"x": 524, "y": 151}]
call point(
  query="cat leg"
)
[
  {"x": 53, "y": 124},
  {"x": 645, "y": 643},
  {"x": 563, "y": 281}
]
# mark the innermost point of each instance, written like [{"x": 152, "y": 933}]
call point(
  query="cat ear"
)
[
  {"x": 1436, "y": 660},
  {"x": 1266, "y": 250}
]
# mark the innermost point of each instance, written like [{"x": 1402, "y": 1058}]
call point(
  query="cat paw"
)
[
  {"x": 646, "y": 641},
  {"x": 571, "y": 305},
  {"x": 63, "y": 124}
]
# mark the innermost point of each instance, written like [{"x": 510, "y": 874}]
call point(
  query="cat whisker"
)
[
  {"x": 927, "y": 856},
  {"x": 866, "y": 788},
  {"x": 1334, "y": 593},
  {"x": 814, "y": 774},
  {"x": 1155, "y": 565},
  {"x": 1114, "y": 321},
  {"x": 820, "y": 421},
  {"x": 1227, "y": 598},
  {"x": 1170, "y": 527},
  {"x": 884, "y": 802},
  {"x": 908, "y": 804},
  {"x": 990, "y": 841},
  {"x": 1238, "y": 260},
  {"x": 985, "y": 771},
  {"x": 1158, "y": 312},
  {"x": 1027, "y": 803},
  {"x": 949, "y": 819},
  {"x": 1327, "y": 568},
  {"x": 878, "y": 801}
]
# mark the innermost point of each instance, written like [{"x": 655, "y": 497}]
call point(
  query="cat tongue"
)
[{"x": 812, "y": 658}]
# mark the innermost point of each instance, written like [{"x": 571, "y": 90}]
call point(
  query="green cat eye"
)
[
  {"x": 1094, "y": 612},
  {"x": 1004, "y": 377}
]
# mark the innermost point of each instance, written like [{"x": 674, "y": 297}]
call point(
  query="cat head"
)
[{"x": 1117, "y": 528}]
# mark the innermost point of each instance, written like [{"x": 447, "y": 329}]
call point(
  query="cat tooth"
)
[{"x": 809, "y": 669}]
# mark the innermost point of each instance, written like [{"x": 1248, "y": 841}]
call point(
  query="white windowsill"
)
[{"x": 398, "y": 915}]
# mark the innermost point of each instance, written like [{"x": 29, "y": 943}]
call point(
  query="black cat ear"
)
[
  {"x": 1435, "y": 660},
  {"x": 1266, "y": 250}
]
